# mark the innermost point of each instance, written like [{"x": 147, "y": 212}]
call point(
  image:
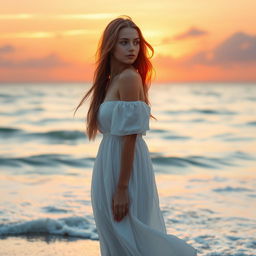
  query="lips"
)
[{"x": 131, "y": 55}]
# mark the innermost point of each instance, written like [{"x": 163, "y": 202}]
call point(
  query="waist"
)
[{"x": 106, "y": 134}]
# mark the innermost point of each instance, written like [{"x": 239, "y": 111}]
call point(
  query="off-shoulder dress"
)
[{"x": 142, "y": 231}]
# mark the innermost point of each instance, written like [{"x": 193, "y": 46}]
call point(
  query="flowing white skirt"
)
[{"x": 142, "y": 231}]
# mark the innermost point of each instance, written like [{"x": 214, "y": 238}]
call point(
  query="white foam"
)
[{"x": 71, "y": 226}]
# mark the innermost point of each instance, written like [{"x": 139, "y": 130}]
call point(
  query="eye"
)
[{"x": 124, "y": 42}]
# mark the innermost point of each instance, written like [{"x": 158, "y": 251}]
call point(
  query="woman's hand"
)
[{"x": 120, "y": 203}]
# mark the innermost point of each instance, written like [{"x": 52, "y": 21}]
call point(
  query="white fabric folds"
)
[
  {"x": 130, "y": 117},
  {"x": 142, "y": 231}
]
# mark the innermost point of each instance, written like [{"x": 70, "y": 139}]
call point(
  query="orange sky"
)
[{"x": 55, "y": 41}]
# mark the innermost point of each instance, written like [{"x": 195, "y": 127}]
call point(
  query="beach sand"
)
[{"x": 47, "y": 246}]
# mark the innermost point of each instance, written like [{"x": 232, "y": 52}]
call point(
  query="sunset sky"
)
[{"x": 55, "y": 41}]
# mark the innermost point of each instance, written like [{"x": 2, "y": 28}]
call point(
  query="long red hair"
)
[{"x": 102, "y": 72}]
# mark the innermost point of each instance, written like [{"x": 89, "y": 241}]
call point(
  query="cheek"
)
[
  {"x": 138, "y": 49},
  {"x": 119, "y": 49}
]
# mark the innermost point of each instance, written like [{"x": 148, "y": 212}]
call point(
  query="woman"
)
[{"x": 123, "y": 190}]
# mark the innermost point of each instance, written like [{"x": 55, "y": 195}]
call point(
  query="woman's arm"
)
[
  {"x": 129, "y": 88},
  {"x": 127, "y": 157}
]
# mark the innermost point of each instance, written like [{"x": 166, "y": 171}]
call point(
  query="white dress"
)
[{"x": 142, "y": 231}]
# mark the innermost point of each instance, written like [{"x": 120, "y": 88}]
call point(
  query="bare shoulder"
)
[{"x": 130, "y": 84}]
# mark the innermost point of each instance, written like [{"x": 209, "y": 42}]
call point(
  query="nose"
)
[{"x": 131, "y": 46}]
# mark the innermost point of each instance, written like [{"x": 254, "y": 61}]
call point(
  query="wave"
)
[
  {"x": 70, "y": 226},
  {"x": 231, "y": 189},
  {"x": 8, "y": 130},
  {"x": 60, "y": 135},
  {"x": 199, "y": 161},
  {"x": 20, "y": 112},
  {"x": 253, "y": 123},
  {"x": 229, "y": 137},
  {"x": 52, "y": 160},
  {"x": 202, "y": 111},
  {"x": 45, "y": 160},
  {"x": 56, "y": 135}
]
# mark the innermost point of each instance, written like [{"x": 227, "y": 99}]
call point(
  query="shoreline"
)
[{"x": 40, "y": 245}]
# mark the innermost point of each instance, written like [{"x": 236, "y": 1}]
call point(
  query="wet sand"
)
[{"x": 47, "y": 246}]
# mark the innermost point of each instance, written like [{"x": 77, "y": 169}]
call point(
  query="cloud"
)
[
  {"x": 76, "y": 16},
  {"x": 6, "y": 49},
  {"x": 190, "y": 33},
  {"x": 47, "y": 34},
  {"x": 17, "y": 16},
  {"x": 87, "y": 16},
  {"x": 166, "y": 61},
  {"x": 50, "y": 61},
  {"x": 239, "y": 48}
]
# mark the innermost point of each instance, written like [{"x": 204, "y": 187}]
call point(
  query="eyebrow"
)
[{"x": 128, "y": 38}]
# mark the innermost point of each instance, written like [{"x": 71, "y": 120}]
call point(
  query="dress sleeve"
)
[{"x": 130, "y": 117}]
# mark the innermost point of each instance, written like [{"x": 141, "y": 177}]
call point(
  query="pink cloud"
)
[
  {"x": 238, "y": 49},
  {"x": 49, "y": 61},
  {"x": 191, "y": 33},
  {"x": 6, "y": 49}
]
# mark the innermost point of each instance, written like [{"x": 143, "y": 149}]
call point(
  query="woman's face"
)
[{"x": 128, "y": 43}]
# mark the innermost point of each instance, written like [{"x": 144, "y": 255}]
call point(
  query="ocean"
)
[{"x": 203, "y": 150}]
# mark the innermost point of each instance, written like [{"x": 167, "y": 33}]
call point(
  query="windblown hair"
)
[{"x": 101, "y": 76}]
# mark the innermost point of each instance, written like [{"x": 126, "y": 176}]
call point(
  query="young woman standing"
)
[{"x": 123, "y": 190}]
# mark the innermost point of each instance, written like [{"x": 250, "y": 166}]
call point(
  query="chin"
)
[
  {"x": 128, "y": 62},
  {"x": 131, "y": 61}
]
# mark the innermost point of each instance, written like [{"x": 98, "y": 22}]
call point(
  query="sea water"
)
[{"x": 203, "y": 150}]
